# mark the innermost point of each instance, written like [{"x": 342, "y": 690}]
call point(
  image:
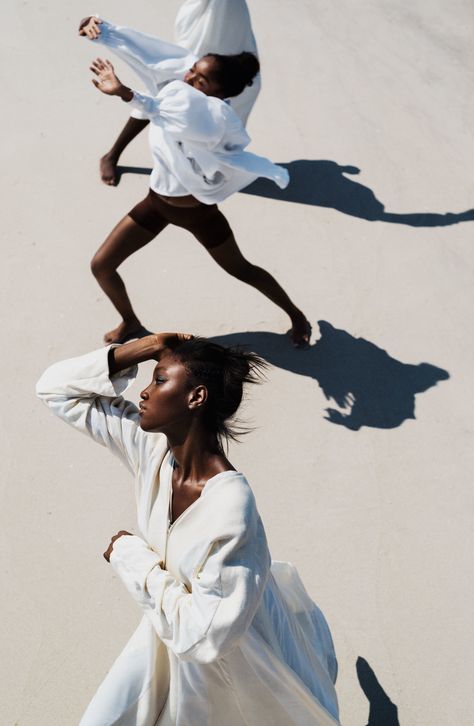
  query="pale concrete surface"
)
[{"x": 378, "y": 520}]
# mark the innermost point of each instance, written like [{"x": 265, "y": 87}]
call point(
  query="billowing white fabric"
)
[
  {"x": 227, "y": 637},
  {"x": 210, "y": 163},
  {"x": 224, "y": 27}
]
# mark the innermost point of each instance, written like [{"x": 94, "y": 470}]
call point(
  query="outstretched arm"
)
[{"x": 155, "y": 61}]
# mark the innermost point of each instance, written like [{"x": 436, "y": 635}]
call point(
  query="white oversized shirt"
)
[
  {"x": 197, "y": 142},
  {"x": 227, "y": 637}
]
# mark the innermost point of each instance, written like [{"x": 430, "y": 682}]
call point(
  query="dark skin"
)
[
  {"x": 171, "y": 406},
  {"x": 199, "y": 76},
  {"x": 128, "y": 236}
]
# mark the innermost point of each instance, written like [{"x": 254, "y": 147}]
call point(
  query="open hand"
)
[
  {"x": 109, "y": 549},
  {"x": 106, "y": 80},
  {"x": 90, "y": 27}
]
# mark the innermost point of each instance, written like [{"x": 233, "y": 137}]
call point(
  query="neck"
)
[{"x": 193, "y": 451}]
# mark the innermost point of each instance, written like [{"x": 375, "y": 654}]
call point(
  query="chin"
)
[{"x": 149, "y": 427}]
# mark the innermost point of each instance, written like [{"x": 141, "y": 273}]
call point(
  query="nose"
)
[{"x": 144, "y": 394}]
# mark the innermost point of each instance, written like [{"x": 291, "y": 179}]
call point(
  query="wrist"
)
[{"x": 125, "y": 93}]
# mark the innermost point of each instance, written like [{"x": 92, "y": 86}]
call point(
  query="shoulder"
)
[{"x": 230, "y": 496}]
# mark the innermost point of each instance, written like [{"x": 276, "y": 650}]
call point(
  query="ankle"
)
[{"x": 131, "y": 321}]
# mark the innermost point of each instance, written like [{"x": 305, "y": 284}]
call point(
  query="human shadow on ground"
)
[
  {"x": 382, "y": 712},
  {"x": 324, "y": 183},
  {"x": 368, "y": 386}
]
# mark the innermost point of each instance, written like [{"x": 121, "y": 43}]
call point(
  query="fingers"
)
[
  {"x": 91, "y": 29},
  {"x": 171, "y": 340},
  {"x": 109, "y": 549},
  {"x": 97, "y": 66}
]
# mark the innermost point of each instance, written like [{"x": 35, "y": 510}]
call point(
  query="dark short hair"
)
[
  {"x": 224, "y": 371},
  {"x": 234, "y": 72}
]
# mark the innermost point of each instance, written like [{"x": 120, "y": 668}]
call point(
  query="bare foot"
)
[
  {"x": 108, "y": 170},
  {"x": 125, "y": 332},
  {"x": 301, "y": 331}
]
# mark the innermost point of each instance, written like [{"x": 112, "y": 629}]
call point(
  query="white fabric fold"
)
[
  {"x": 197, "y": 142},
  {"x": 226, "y": 635}
]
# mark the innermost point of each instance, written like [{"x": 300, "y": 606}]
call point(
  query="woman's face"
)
[
  {"x": 201, "y": 76},
  {"x": 168, "y": 401}
]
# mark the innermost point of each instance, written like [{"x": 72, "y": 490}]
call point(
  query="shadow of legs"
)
[{"x": 382, "y": 712}]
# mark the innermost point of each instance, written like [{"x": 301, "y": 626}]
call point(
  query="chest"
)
[{"x": 182, "y": 497}]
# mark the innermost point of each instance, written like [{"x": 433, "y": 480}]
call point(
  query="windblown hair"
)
[
  {"x": 224, "y": 372},
  {"x": 235, "y": 72}
]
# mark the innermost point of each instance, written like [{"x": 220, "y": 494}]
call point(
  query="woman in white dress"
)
[
  {"x": 198, "y": 147},
  {"x": 227, "y": 636},
  {"x": 201, "y": 26}
]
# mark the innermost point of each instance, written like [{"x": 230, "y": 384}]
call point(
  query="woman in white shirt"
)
[
  {"x": 198, "y": 146},
  {"x": 227, "y": 636},
  {"x": 201, "y": 26}
]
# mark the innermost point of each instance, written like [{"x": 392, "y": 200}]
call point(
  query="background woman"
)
[
  {"x": 227, "y": 636},
  {"x": 201, "y": 27},
  {"x": 197, "y": 143}
]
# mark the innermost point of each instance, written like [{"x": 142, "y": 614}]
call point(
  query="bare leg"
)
[
  {"x": 125, "y": 239},
  {"x": 230, "y": 258},
  {"x": 108, "y": 163}
]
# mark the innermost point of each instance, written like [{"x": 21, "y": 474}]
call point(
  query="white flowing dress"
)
[
  {"x": 227, "y": 637},
  {"x": 197, "y": 142}
]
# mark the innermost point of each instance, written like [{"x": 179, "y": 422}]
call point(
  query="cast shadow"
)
[
  {"x": 323, "y": 183},
  {"x": 382, "y": 712},
  {"x": 121, "y": 170},
  {"x": 366, "y": 386}
]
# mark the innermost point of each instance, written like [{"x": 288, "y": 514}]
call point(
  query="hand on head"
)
[{"x": 170, "y": 341}]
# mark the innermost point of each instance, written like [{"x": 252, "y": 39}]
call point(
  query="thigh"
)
[
  {"x": 228, "y": 256},
  {"x": 209, "y": 226},
  {"x": 126, "y": 238}
]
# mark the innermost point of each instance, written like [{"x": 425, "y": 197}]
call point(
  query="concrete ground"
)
[{"x": 361, "y": 459}]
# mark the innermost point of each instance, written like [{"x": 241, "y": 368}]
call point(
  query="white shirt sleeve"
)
[
  {"x": 227, "y": 585},
  {"x": 155, "y": 61},
  {"x": 81, "y": 393},
  {"x": 185, "y": 113}
]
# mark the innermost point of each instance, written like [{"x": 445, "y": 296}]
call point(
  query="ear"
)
[{"x": 197, "y": 397}]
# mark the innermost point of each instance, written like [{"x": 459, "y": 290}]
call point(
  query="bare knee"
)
[{"x": 100, "y": 267}]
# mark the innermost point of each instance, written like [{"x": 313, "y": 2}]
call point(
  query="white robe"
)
[
  {"x": 227, "y": 637},
  {"x": 197, "y": 141}
]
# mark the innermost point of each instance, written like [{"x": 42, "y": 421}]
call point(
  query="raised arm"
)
[
  {"x": 184, "y": 112},
  {"x": 155, "y": 61},
  {"x": 85, "y": 392}
]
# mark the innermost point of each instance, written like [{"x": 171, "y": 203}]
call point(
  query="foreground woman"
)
[
  {"x": 198, "y": 148},
  {"x": 227, "y": 637},
  {"x": 201, "y": 26}
]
